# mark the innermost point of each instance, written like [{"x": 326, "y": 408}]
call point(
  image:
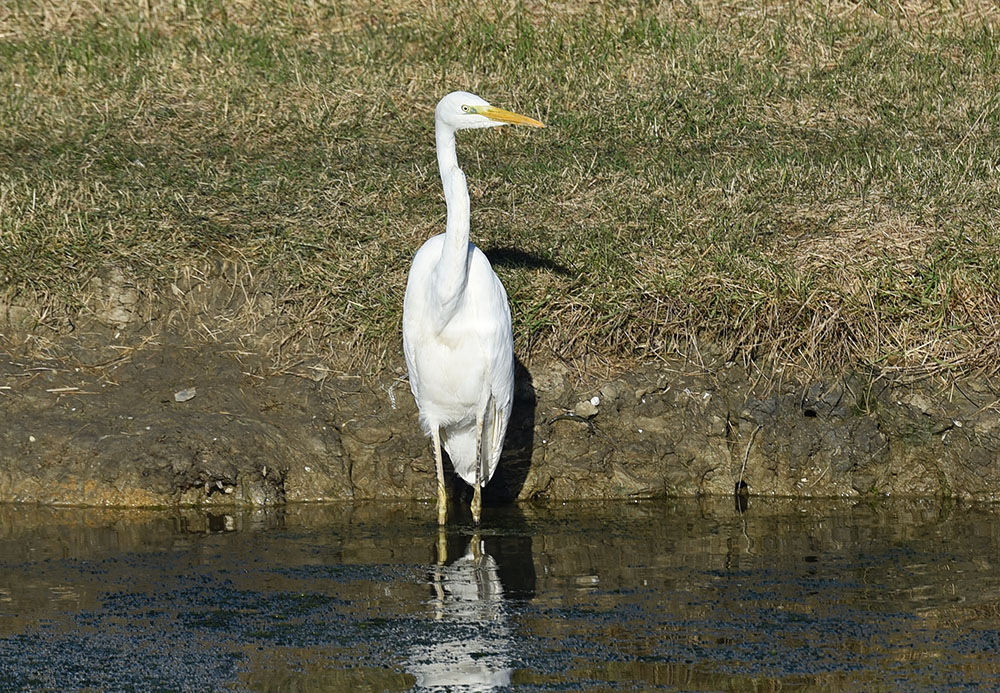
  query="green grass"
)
[{"x": 812, "y": 184}]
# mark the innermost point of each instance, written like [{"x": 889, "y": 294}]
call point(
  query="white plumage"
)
[{"x": 456, "y": 321}]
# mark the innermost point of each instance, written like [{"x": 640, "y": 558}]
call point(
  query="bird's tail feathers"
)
[
  {"x": 494, "y": 429},
  {"x": 460, "y": 442}
]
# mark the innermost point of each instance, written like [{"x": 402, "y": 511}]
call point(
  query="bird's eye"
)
[{"x": 465, "y": 109}]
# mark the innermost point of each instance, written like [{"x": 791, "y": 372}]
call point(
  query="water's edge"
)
[{"x": 120, "y": 434}]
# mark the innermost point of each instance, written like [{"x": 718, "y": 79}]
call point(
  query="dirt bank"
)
[{"x": 163, "y": 421}]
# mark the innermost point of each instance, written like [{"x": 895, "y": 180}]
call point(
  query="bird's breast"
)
[{"x": 453, "y": 368}]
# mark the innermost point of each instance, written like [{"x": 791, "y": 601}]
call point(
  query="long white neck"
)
[{"x": 452, "y": 271}]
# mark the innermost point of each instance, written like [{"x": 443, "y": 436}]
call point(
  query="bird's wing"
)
[
  {"x": 498, "y": 344},
  {"x": 411, "y": 359},
  {"x": 415, "y": 305},
  {"x": 502, "y": 362}
]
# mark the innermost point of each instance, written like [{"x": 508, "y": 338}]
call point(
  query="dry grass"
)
[{"x": 805, "y": 184}]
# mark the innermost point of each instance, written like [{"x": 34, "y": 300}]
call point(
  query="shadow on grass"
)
[{"x": 512, "y": 257}]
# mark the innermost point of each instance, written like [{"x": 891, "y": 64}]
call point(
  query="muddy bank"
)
[{"x": 164, "y": 422}]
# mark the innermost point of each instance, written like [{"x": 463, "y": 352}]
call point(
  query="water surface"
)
[{"x": 673, "y": 595}]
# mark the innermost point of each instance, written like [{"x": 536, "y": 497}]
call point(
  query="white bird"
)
[{"x": 457, "y": 335}]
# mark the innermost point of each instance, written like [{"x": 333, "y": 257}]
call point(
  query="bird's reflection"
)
[{"x": 472, "y": 644}]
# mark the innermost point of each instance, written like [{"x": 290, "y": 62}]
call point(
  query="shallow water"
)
[{"x": 675, "y": 595}]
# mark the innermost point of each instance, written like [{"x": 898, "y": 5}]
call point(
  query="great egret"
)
[{"x": 456, "y": 322}]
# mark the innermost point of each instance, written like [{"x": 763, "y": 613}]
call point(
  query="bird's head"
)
[{"x": 461, "y": 110}]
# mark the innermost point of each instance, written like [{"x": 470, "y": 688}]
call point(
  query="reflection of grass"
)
[{"x": 814, "y": 183}]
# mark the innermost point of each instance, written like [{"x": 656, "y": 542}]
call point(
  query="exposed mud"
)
[{"x": 102, "y": 423}]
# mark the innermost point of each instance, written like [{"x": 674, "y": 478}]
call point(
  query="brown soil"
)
[{"x": 96, "y": 424}]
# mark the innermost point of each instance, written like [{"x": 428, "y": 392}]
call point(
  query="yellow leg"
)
[
  {"x": 477, "y": 502},
  {"x": 476, "y": 549},
  {"x": 442, "y": 547},
  {"x": 442, "y": 506},
  {"x": 477, "y": 491},
  {"x": 437, "y": 577}
]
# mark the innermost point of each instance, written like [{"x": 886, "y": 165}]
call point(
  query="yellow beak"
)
[{"x": 494, "y": 113}]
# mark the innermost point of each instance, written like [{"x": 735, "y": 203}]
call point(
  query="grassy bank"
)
[{"x": 812, "y": 184}]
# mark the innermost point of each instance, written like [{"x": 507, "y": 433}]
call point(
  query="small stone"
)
[
  {"x": 586, "y": 409},
  {"x": 595, "y": 400},
  {"x": 611, "y": 391},
  {"x": 185, "y": 394},
  {"x": 918, "y": 402},
  {"x": 716, "y": 426}
]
